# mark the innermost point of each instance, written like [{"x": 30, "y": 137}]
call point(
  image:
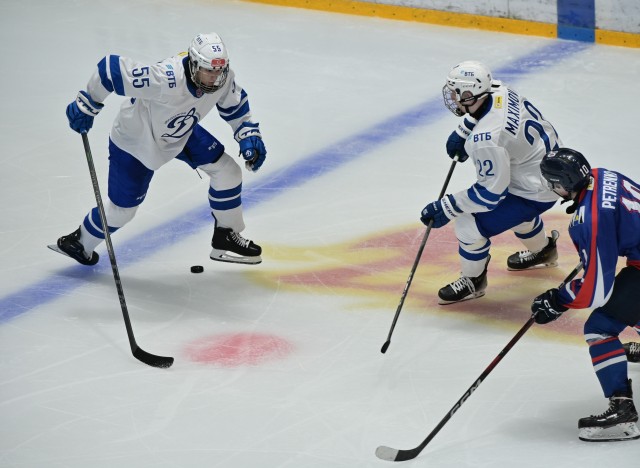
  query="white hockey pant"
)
[{"x": 225, "y": 190}]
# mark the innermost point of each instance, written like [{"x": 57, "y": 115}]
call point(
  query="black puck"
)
[{"x": 197, "y": 269}]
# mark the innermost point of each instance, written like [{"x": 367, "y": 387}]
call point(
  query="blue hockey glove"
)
[
  {"x": 82, "y": 111},
  {"x": 546, "y": 307},
  {"x": 457, "y": 139},
  {"x": 252, "y": 148},
  {"x": 440, "y": 211}
]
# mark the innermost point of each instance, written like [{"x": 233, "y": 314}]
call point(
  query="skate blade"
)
[
  {"x": 619, "y": 432},
  {"x": 55, "y": 248},
  {"x": 475, "y": 295},
  {"x": 542, "y": 266},
  {"x": 222, "y": 256}
]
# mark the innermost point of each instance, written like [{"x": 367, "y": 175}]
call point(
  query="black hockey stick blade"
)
[
  {"x": 151, "y": 359},
  {"x": 385, "y": 346},
  {"x": 390, "y": 454}
]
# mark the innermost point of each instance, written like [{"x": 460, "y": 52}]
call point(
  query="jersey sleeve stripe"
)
[
  {"x": 104, "y": 78},
  {"x": 237, "y": 111},
  {"x": 481, "y": 196},
  {"x": 116, "y": 76},
  {"x": 229, "y": 110},
  {"x": 110, "y": 76}
]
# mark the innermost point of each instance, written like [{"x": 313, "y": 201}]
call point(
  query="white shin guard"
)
[
  {"x": 535, "y": 243},
  {"x": 473, "y": 268},
  {"x": 225, "y": 174},
  {"x": 116, "y": 218},
  {"x": 471, "y": 241}
]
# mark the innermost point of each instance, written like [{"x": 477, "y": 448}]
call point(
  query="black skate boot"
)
[
  {"x": 617, "y": 423},
  {"x": 71, "y": 247},
  {"x": 229, "y": 246},
  {"x": 546, "y": 258},
  {"x": 632, "y": 351},
  {"x": 464, "y": 288}
]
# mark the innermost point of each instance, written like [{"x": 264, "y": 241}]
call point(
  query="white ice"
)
[{"x": 279, "y": 365}]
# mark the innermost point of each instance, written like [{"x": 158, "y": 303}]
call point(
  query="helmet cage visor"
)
[
  {"x": 455, "y": 102},
  {"x": 555, "y": 185},
  {"x": 451, "y": 102},
  {"x": 201, "y": 68}
]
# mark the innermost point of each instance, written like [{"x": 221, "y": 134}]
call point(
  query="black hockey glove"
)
[{"x": 546, "y": 307}]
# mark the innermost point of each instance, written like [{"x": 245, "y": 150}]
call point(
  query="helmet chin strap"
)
[
  {"x": 570, "y": 197},
  {"x": 565, "y": 197},
  {"x": 571, "y": 208},
  {"x": 478, "y": 102},
  {"x": 466, "y": 108}
]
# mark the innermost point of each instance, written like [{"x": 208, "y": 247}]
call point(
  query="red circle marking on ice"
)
[{"x": 238, "y": 349}]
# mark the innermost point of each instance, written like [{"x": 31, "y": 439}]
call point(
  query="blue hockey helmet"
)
[{"x": 566, "y": 169}]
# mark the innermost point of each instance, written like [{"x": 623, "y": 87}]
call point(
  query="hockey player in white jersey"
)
[
  {"x": 506, "y": 136},
  {"x": 161, "y": 122}
]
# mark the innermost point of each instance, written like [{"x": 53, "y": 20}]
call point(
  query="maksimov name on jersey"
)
[{"x": 513, "y": 112}]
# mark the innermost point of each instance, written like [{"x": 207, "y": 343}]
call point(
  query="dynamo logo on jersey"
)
[{"x": 181, "y": 124}]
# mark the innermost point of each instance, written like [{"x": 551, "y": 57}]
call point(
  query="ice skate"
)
[
  {"x": 617, "y": 423},
  {"x": 546, "y": 258},
  {"x": 71, "y": 247},
  {"x": 464, "y": 288},
  {"x": 632, "y": 350},
  {"x": 229, "y": 246}
]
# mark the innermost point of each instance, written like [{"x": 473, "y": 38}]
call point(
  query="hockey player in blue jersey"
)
[
  {"x": 605, "y": 225},
  {"x": 506, "y": 137},
  {"x": 161, "y": 122}
]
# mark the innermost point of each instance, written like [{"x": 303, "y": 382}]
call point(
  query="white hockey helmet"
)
[
  {"x": 466, "y": 83},
  {"x": 207, "y": 53}
]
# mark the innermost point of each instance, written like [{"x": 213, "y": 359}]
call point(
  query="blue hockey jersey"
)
[{"x": 605, "y": 226}]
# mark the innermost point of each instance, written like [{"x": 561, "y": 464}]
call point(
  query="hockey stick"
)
[
  {"x": 138, "y": 352},
  {"x": 386, "y": 344},
  {"x": 391, "y": 454}
]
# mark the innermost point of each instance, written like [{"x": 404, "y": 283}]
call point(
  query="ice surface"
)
[{"x": 279, "y": 365}]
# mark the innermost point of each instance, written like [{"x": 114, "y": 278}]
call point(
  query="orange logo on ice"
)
[{"x": 373, "y": 272}]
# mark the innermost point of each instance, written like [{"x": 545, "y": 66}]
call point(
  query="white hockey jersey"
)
[
  {"x": 155, "y": 124},
  {"x": 507, "y": 145}
]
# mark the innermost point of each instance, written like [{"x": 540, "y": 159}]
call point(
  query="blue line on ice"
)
[{"x": 313, "y": 166}]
